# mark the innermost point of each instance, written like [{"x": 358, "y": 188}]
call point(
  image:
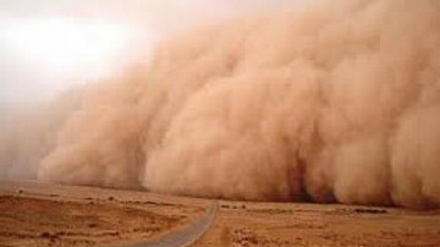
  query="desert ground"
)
[
  {"x": 295, "y": 224},
  {"x": 39, "y": 214}
]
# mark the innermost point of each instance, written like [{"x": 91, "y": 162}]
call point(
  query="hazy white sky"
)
[{"x": 47, "y": 46}]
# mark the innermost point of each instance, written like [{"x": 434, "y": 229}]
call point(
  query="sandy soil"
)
[
  {"x": 33, "y": 214},
  {"x": 271, "y": 224}
]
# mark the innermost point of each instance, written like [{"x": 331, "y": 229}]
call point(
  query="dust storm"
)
[{"x": 332, "y": 101}]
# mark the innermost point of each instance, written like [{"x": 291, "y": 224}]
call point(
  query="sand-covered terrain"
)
[
  {"x": 38, "y": 214},
  {"x": 271, "y": 224},
  {"x": 34, "y": 214}
]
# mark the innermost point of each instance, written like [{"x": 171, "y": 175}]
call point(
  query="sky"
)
[{"x": 48, "y": 46}]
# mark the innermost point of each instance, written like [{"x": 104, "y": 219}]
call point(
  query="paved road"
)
[{"x": 187, "y": 236}]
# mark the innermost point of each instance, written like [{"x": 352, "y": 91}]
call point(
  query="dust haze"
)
[{"x": 333, "y": 101}]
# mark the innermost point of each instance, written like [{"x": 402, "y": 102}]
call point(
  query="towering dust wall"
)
[{"x": 335, "y": 100}]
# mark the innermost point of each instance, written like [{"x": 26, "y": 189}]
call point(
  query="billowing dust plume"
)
[{"x": 333, "y": 101}]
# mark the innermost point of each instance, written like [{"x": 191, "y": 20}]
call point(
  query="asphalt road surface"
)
[{"x": 187, "y": 236}]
